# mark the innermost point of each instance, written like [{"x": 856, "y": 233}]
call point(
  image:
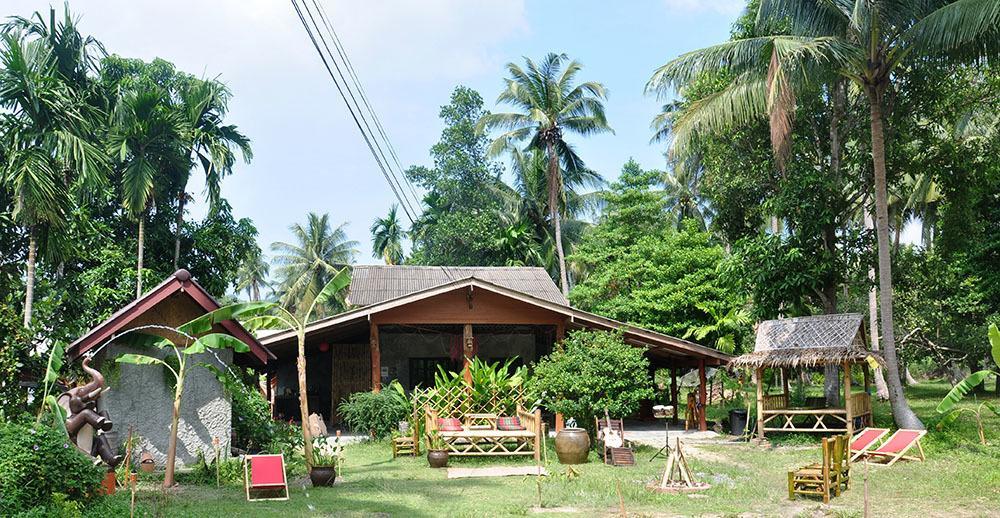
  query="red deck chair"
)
[
  {"x": 865, "y": 440},
  {"x": 265, "y": 474},
  {"x": 896, "y": 447}
]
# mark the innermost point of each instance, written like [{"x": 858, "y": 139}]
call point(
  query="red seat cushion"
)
[
  {"x": 899, "y": 441},
  {"x": 865, "y": 439},
  {"x": 267, "y": 471},
  {"x": 450, "y": 424},
  {"x": 509, "y": 424}
]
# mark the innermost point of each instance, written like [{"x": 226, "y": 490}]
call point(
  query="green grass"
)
[{"x": 960, "y": 478}]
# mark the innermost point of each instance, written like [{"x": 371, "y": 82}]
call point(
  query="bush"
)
[
  {"x": 375, "y": 412},
  {"x": 36, "y": 462},
  {"x": 203, "y": 472},
  {"x": 589, "y": 372}
]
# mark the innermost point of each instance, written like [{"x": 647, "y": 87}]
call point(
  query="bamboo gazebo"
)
[{"x": 807, "y": 342}]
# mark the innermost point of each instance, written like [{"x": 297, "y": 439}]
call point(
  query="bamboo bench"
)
[{"x": 479, "y": 441}]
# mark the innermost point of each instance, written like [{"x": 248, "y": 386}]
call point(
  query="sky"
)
[{"x": 409, "y": 55}]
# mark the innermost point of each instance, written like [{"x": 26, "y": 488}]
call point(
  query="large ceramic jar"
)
[
  {"x": 322, "y": 476},
  {"x": 437, "y": 458},
  {"x": 572, "y": 445}
]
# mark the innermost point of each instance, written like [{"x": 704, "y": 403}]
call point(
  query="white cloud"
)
[{"x": 726, "y": 7}]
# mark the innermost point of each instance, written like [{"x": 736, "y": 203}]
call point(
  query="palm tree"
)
[
  {"x": 253, "y": 274},
  {"x": 47, "y": 129},
  {"x": 211, "y": 143},
  {"x": 147, "y": 139},
  {"x": 863, "y": 41},
  {"x": 303, "y": 268},
  {"x": 550, "y": 103},
  {"x": 387, "y": 238},
  {"x": 682, "y": 190}
]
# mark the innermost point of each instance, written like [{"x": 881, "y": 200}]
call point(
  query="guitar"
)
[{"x": 612, "y": 438}]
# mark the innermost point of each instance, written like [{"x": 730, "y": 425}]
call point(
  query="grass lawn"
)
[{"x": 960, "y": 478}]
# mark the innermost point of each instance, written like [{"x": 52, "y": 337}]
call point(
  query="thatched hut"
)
[{"x": 806, "y": 342}]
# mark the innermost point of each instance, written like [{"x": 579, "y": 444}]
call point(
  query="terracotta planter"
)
[
  {"x": 323, "y": 476},
  {"x": 437, "y": 458},
  {"x": 572, "y": 445},
  {"x": 146, "y": 464}
]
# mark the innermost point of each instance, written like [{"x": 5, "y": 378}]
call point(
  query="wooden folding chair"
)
[
  {"x": 265, "y": 474},
  {"x": 617, "y": 450},
  {"x": 865, "y": 440},
  {"x": 895, "y": 447}
]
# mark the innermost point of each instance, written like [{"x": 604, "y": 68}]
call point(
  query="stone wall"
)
[{"x": 140, "y": 396}]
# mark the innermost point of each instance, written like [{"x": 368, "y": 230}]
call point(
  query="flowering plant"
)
[{"x": 327, "y": 451}]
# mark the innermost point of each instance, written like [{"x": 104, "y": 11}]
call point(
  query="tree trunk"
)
[
  {"x": 177, "y": 229},
  {"x": 555, "y": 186},
  {"x": 881, "y": 389},
  {"x": 141, "y": 247},
  {"x": 256, "y": 291},
  {"x": 831, "y": 373},
  {"x": 901, "y": 412},
  {"x": 304, "y": 401},
  {"x": 168, "y": 476},
  {"x": 29, "y": 289}
]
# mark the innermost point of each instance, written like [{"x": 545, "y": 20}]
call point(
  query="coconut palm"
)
[
  {"x": 211, "y": 143},
  {"x": 387, "y": 238},
  {"x": 147, "y": 139},
  {"x": 253, "y": 274},
  {"x": 550, "y": 103},
  {"x": 863, "y": 41},
  {"x": 304, "y": 268},
  {"x": 682, "y": 191},
  {"x": 47, "y": 133}
]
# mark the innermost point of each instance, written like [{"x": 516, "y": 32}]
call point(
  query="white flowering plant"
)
[{"x": 327, "y": 451}]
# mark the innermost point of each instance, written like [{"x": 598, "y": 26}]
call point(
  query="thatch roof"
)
[{"x": 808, "y": 342}]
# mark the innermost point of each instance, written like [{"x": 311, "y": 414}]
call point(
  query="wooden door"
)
[{"x": 351, "y": 373}]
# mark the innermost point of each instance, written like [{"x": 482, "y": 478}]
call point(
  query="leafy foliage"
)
[
  {"x": 255, "y": 430},
  {"x": 590, "y": 372},
  {"x": 377, "y": 413},
  {"x": 37, "y": 462}
]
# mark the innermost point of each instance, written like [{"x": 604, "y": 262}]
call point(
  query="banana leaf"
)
[
  {"x": 959, "y": 391},
  {"x": 55, "y": 362},
  {"x": 332, "y": 288},
  {"x": 204, "y": 323},
  {"x": 220, "y": 341}
]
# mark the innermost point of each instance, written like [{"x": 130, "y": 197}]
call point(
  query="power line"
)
[
  {"x": 364, "y": 96},
  {"x": 378, "y": 155}
]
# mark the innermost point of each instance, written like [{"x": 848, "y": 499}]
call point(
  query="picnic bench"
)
[{"x": 479, "y": 435}]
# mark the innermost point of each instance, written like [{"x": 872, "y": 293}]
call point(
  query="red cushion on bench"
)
[
  {"x": 450, "y": 424},
  {"x": 509, "y": 424}
]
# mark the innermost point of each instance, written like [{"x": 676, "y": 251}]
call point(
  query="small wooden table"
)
[{"x": 481, "y": 421}]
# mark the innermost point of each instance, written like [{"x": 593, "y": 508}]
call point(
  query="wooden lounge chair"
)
[
  {"x": 611, "y": 434},
  {"x": 895, "y": 447},
  {"x": 829, "y": 478},
  {"x": 865, "y": 440},
  {"x": 265, "y": 474}
]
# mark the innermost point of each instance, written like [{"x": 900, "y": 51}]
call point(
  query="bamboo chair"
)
[
  {"x": 829, "y": 478},
  {"x": 865, "y": 440},
  {"x": 895, "y": 448},
  {"x": 617, "y": 450}
]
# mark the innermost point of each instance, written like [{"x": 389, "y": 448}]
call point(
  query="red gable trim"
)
[{"x": 180, "y": 281}]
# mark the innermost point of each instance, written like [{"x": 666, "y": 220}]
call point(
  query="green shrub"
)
[
  {"x": 203, "y": 472},
  {"x": 36, "y": 462},
  {"x": 589, "y": 372},
  {"x": 377, "y": 413}
]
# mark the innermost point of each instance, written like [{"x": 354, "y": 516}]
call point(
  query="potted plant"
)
[
  {"x": 326, "y": 456},
  {"x": 437, "y": 451}
]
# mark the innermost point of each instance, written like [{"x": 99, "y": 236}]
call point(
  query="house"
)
[
  {"x": 409, "y": 320},
  {"x": 140, "y": 395}
]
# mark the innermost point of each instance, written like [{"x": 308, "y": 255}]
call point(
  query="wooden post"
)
[
  {"x": 702, "y": 422},
  {"x": 759, "y": 375},
  {"x": 560, "y": 335},
  {"x": 673, "y": 393},
  {"x": 376, "y": 356},
  {"x": 784, "y": 384},
  {"x": 847, "y": 399},
  {"x": 467, "y": 352},
  {"x": 868, "y": 377}
]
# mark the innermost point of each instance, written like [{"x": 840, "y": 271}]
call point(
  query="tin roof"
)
[{"x": 372, "y": 284}]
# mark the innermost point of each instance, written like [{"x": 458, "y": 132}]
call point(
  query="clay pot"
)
[
  {"x": 323, "y": 476},
  {"x": 437, "y": 458},
  {"x": 146, "y": 464},
  {"x": 572, "y": 445}
]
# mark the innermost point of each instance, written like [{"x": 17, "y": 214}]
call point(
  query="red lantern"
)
[{"x": 324, "y": 347}]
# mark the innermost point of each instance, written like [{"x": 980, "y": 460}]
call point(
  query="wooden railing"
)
[{"x": 775, "y": 402}]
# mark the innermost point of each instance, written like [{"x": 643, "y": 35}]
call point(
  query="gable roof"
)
[
  {"x": 808, "y": 341},
  {"x": 576, "y": 318},
  {"x": 180, "y": 282},
  {"x": 372, "y": 284}
]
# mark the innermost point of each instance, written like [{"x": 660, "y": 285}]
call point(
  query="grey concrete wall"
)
[{"x": 141, "y": 397}]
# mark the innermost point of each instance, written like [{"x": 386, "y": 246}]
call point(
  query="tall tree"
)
[
  {"x": 550, "y": 102},
  {"x": 253, "y": 273},
  {"x": 387, "y": 238},
  {"x": 305, "y": 267},
  {"x": 866, "y": 42}
]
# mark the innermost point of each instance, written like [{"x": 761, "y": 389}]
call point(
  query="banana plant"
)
[
  {"x": 191, "y": 338},
  {"x": 280, "y": 318},
  {"x": 948, "y": 405},
  {"x": 49, "y": 402}
]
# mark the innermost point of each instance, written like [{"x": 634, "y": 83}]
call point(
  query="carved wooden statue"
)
[{"x": 85, "y": 425}]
